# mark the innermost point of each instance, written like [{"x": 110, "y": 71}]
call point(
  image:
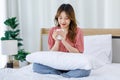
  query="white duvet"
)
[{"x": 107, "y": 72}]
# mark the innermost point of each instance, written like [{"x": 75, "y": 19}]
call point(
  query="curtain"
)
[
  {"x": 36, "y": 14},
  {"x": 3, "y": 58}
]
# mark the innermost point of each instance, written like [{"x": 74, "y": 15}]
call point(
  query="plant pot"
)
[{"x": 22, "y": 64}]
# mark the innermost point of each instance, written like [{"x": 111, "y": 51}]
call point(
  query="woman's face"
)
[{"x": 63, "y": 20}]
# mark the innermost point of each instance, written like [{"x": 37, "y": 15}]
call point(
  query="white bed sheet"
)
[{"x": 107, "y": 72}]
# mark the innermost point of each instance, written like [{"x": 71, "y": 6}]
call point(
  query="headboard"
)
[{"x": 88, "y": 31}]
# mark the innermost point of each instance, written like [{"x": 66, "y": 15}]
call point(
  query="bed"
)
[{"x": 107, "y": 72}]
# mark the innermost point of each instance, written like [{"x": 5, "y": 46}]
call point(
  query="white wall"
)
[
  {"x": 112, "y": 13},
  {"x": 34, "y": 14}
]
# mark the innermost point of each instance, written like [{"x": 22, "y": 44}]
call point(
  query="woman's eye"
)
[
  {"x": 66, "y": 18},
  {"x": 63, "y": 18},
  {"x": 60, "y": 18}
]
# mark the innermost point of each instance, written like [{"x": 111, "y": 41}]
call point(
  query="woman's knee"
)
[{"x": 39, "y": 68}]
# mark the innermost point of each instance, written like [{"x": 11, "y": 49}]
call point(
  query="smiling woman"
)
[{"x": 3, "y": 58}]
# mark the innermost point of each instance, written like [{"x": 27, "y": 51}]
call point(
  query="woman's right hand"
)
[{"x": 54, "y": 35}]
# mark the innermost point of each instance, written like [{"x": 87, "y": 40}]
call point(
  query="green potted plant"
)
[
  {"x": 21, "y": 56},
  {"x": 12, "y": 33}
]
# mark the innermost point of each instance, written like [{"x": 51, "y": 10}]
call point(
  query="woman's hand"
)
[
  {"x": 54, "y": 35},
  {"x": 62, "y": 33},
  {"x": 59, "y": 32}
]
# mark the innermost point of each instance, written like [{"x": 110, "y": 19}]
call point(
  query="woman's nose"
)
[{"x": 63, "y": 20}]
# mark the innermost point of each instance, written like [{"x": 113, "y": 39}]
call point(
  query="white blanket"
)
[{"x": 107, "y": 72}]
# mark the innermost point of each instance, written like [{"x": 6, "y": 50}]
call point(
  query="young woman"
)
[
  {"x": 66, "y": 27},
  {"x": 65, "y": 37}
]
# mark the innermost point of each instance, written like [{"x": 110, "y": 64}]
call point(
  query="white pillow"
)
[
  {"x": 100, "y": 47},
  {"x": 98, "y": 52},
  {"x": 60, "y": 60}
]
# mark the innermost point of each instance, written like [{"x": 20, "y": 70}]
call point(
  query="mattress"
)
[{"x": 107, "y": 72}]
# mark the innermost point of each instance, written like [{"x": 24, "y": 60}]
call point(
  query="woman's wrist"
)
[
  {"x": 63, "y": 41},
  {"x": 57, "y": 41}
]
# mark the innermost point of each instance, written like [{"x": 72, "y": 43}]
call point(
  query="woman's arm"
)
[
  {"x": 78, "y": 45},
  {"x": 69, "y": 47},
  {"x": 53, "y": 42},
  {"x": 66, "y": 44},
  {"x": 55, "y": 46}
]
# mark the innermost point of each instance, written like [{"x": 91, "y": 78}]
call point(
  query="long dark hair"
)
[{"x": 68, "y": 9}]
